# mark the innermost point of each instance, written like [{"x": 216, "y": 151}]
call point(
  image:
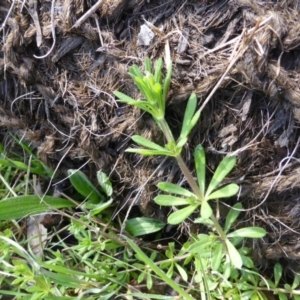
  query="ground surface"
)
[{"x": 60, "y": 62}]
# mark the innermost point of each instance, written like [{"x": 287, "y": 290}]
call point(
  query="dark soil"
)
[{"x": 60, "y": 62}]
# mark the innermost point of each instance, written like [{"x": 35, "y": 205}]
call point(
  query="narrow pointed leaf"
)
[
  {"x": 225, "y": 166},
  {"x": 234, "y": 255},
  {"x": 123, "y": 97},
  {"x": 158, "y": 71},
  {"x": 200, "y": 162},
  {"x": 181, "y": 142},
  {"x": 217, "y": 256},
  {"x": 232, "y": 216},
  {"x": 98, "y": 208},
  {"x": 277, "y": 273},
  {"x": 194, "y": 120},
  {"x": 134, "y": 71},
  {"x": 248, "y": 232},
  {"x": 146, "y": 152},
  {"x": 84, "y": 187},
  {"x": 199, "y": 246},
  {"x": 180, "y": 215},
  {"x": 142, "y": 225},
  {"x": 146, "y": 143},
  {"x": 207, "y": 222},
  {"x": 182, "y": 272},
  {"x": 147, "y": 65},
  {"x": 282, "y": 296},
  {"x": 105, "y": 183},
  {"x": 168, "y": 200},
  {"x": 157, "y": 89},
  {"x": 167, "y": 84},
  {"x": 188, "y": 115},
  {"x": 23, "y": 206},
  {"x": 206, "y": 210},
  {"x": 225, "y": 192},
  {"x": 175, "y": 189},
  {"x": 145, "y": 90}
]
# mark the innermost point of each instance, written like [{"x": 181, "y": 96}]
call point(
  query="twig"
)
[{"x": 87, "y": 14}]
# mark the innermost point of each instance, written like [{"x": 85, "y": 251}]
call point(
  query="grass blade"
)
[{"x": 23, "y": 206}]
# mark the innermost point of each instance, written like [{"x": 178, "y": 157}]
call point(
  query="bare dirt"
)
[{"x": 60, "y": 62}]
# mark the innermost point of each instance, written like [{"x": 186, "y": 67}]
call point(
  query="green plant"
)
[
  {"x": 97, "y": 265},
  {"x": 222, "y": 266},
  {"x": 155, "y": 92}
]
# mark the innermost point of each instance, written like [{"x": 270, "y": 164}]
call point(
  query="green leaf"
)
[
  {"x": 158, "y": 71},
  {"x": 142, "y": 225},
  {"x": 248, "y": 232},
  {"x": 277, "y": 273},
  {"x": 232, "y": 216},
  {"x": 182, "y": 272},
  {"x": 217, "y": 256},
  {"x": 84, "y": 187},
  {"x": 146, "y": 152},
  {"x": 157, "y": 88},
  {"x": 149, "y": 282},
  {"x": 207, "y": 222},
  {"x": 181, "y": 142},
  {"x": 206, "y": 210},
  {"x": 105, "y": 183},
  {"x": 23, "y": 206},
  {"x": 204, "y": 242},
  {"x": 146, "y": 143},
  {"x": 134, "y": 71},
  {"x": 180, "y": 215},
  {"x": 142, "y": 256},
  {"x": 282, "y": 296},
  {"x": 147, "y": 65},
  {"x": 224, "y": 192},
  {"x": 234, "y": 255},
  {"x": 174, "y": 189},
  {"x": 168, "y": 200},
  {"x": 123, "y": 97},
  {"x": 188, "y": 115},
  {"x": 296, "y": 281},
  {"x": 225, "y": 166},
  {"x": 65, "y": 280},
  {"x": 200, "y": 162},
  {"x": 167, "y": 84},
  {"x": 147, "y": 91},
  {"x": 98, "y": 208}
]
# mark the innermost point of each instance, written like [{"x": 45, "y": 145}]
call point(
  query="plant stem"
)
[
  {"x": 189, "y": 177},
  {"x": 166, "y": 130}
]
